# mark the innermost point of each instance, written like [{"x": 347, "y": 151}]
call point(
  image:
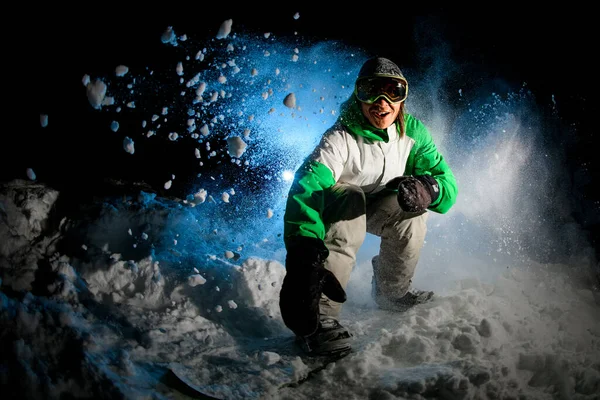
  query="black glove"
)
[
  {"x": 415, "y": 193},
  {"x": 305, "y": 280}
]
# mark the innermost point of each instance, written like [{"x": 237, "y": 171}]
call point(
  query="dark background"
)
[{"x": 552, "y": 50}]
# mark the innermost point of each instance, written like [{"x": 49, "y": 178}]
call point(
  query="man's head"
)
[{"x": 381, "y": 89}]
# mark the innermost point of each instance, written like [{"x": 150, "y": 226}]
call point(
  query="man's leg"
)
[
  {"x": 402, "y": 237},
  {"x": 345, "y": 223}
]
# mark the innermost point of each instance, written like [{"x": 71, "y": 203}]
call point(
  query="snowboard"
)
[{"x": 244, "y": 375}]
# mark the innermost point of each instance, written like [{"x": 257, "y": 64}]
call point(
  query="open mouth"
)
[{"x": 380, "y": 113}]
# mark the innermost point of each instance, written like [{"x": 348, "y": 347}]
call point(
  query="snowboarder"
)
[{"x": 375, "y": 170}]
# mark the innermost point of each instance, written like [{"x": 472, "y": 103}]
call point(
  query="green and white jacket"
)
[{"x": 353, "y": 151}]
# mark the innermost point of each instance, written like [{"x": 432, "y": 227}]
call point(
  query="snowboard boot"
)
[
  {"x": 331, "y": 338},
  {"x": 385, "y": 302},
  {"x": 410, "y": 299}
]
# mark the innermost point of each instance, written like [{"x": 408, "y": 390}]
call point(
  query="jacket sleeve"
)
[
  {"x": 306, "y": 198},
  {"x": 425, "y": 159}
]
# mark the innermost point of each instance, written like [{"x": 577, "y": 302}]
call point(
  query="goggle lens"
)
[{"x": 368, "y": 90}]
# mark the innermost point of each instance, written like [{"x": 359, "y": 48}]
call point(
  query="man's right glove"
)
[
  {"x": 415, "y": 193},
  {"x": 305, "y": 280}
]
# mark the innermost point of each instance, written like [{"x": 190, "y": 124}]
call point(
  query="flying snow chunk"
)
[
  {"x": 44, "y": 120},
  {"x": 290, "y": 100},
  {"x": 225, "y": 197},
  {"x": 204, "y": 130},
  {"x": 201, "y": 88},
  {"x": 297, "y": 15},
  {"x": 30, "y": 174},
  {"x": 128, "y": 145},
  {"x": 224, "y": 29},
  {"x": 168, "y": 184},
  {"x": 196, "y": 279},
  {"x": 236, "y": 146},
  {"x": 197, "y": 198},
  {"x": 114, "y": 126},
  {"x": 232, "y": 304},
  {"x": 95, "y": 93},
  {"x": 169, "y": 37},
  {"x": 121, "y": 70}
]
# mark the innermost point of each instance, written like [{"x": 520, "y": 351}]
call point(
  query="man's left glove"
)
[
  {"x": 305, "y": 280},
  {"x": 415, "y": 193}
]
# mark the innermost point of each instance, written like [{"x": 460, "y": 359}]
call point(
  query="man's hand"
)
[
  {"x": 305, "y": 280},
  {"x": 415, "y": 193}
]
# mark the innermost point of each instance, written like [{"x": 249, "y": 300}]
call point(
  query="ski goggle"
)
[{"x": 369, "y": 90}]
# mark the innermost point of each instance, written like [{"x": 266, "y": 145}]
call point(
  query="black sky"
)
[
  {"x": 51, "y": 48},
  {"x": 552, "y": 50}
]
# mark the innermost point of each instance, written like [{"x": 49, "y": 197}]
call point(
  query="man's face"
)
[{"x": 381, "y": 114}]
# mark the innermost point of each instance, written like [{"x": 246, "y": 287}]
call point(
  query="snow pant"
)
[{"x": 348, "y": 215}]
